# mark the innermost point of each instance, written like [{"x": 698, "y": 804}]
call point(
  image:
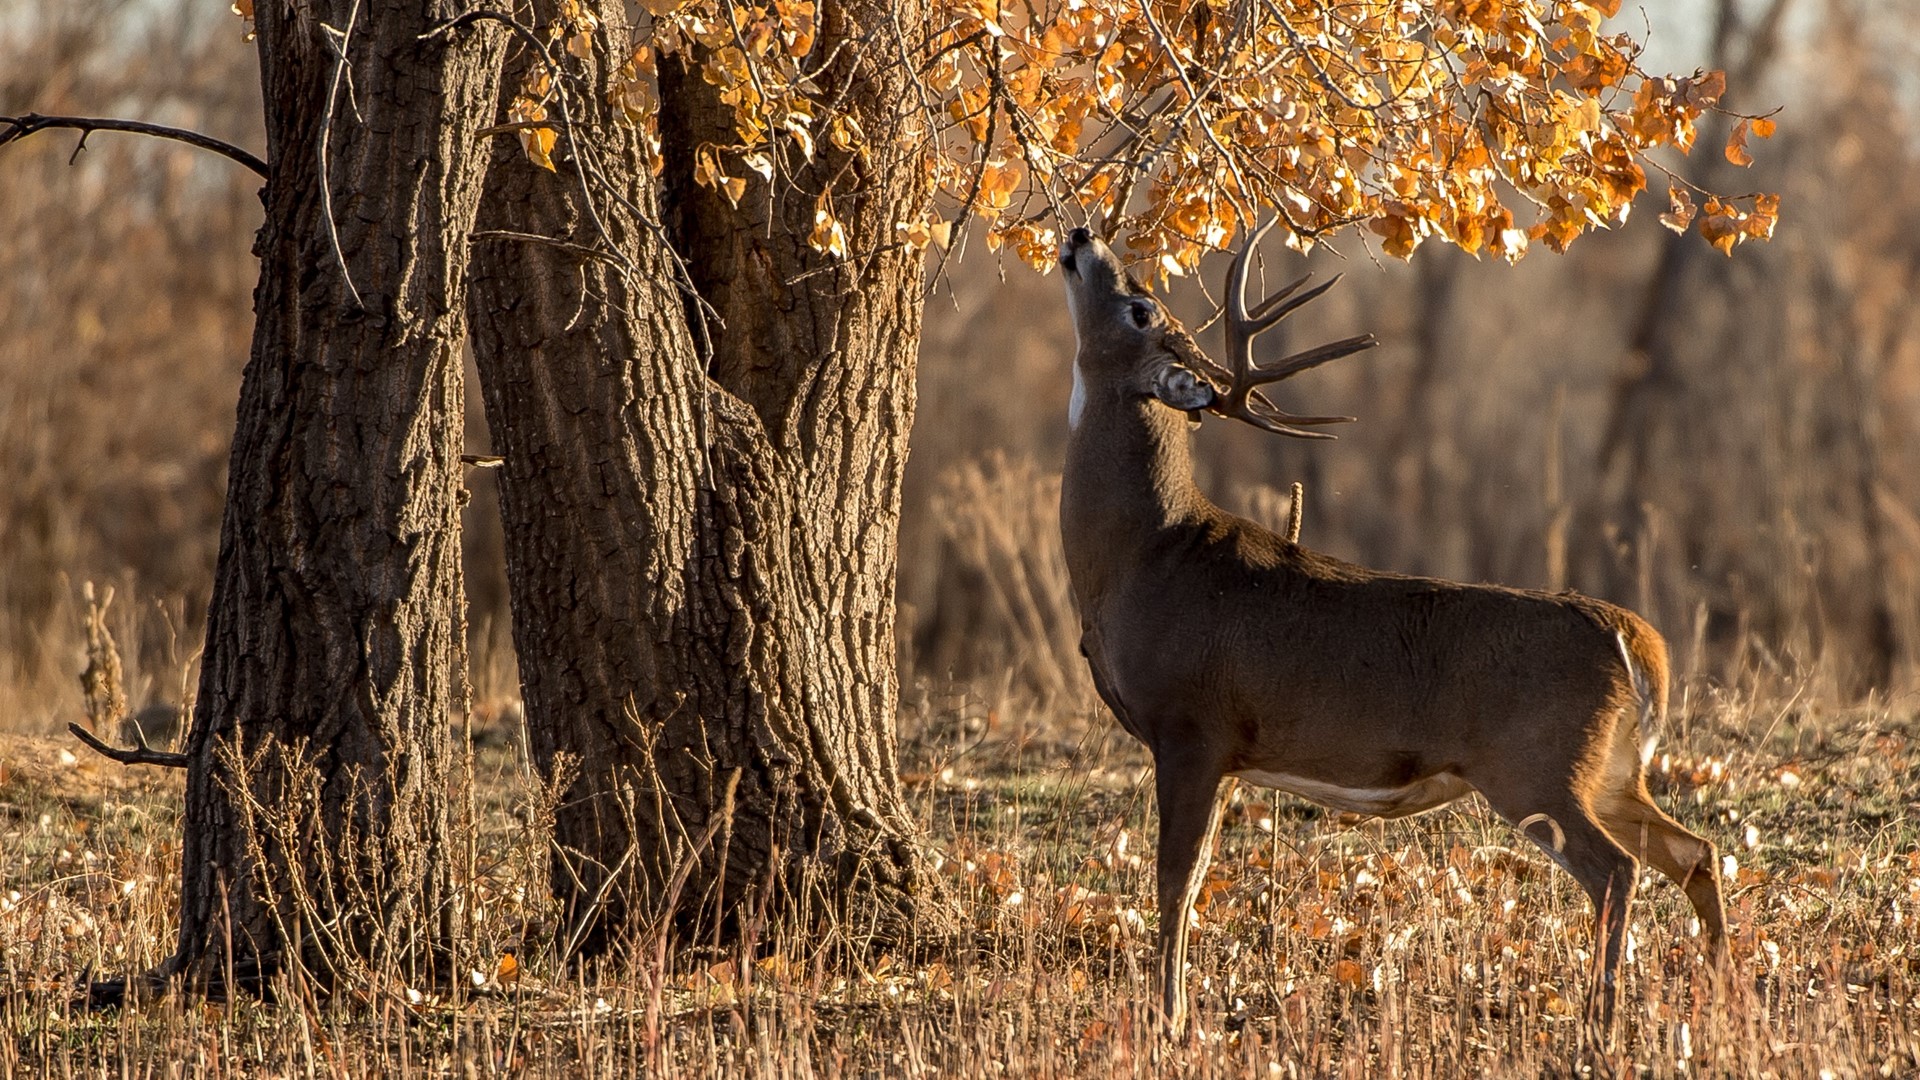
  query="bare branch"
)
[
  {"x": 519, "y": 29},
  {"x": 139, "y": 754},
  {"x": 19, "y": 127}
]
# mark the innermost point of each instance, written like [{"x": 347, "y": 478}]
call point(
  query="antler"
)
[{"x": 1243, "y": 399}]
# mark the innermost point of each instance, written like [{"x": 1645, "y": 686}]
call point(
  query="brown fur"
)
[{"x": 1229, "y": 650}]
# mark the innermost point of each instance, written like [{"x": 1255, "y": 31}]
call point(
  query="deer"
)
[{"x": 1230, "y": 650}]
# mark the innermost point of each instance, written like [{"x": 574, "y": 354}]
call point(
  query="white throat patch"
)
[{"x": 1077, "y": 404}]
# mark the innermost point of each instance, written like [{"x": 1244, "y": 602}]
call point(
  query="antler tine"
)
[
  {"x": 1268, "y": 418},
  {"x": 1239, "y": 337},
  {"x": 1259, "y": 315},
  {"x": 1310, "y": 358},
  {"x": 1243, "y": 399},
  {"x": 1266, "y": 315},
  {"x": 1237, "y": 276}
]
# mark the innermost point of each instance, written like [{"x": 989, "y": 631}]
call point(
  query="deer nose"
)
[{"x": 1078, "y": 238}]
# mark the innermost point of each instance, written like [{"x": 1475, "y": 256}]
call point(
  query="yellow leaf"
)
[
  {"x": 1399, "y": 234},
  {"x": 1704, "y": 89},
  {"x": 1680, "y": 210},
  {"x": 706, "y": 168},
  {"x": 1737, "y": 145},
  {"x": 633, "y": 93},
  {"x": 1036, "y": 246},
  {"x": 537, "y": 141},
  {"x": 1350, "y": 974},
  {"x": 1722, "y": 231},
  {"x": 1511, "y": 244},
  {"x": 802, "y": 136},
  {"x": 827, "y": 236},
  {"x": 1469, "y": 232},
  {"x": 1762, "y": 126},
  {"x": 915, "y": 234},
  {"x": 507, "y": 971},
  {"x": 845, "y": 133},
  {"x": 1766, "y": 211}
]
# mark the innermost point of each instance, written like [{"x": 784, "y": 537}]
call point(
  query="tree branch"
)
[
  {"x": 19, "y": 127},
  {"x": 139, "y": 754}
]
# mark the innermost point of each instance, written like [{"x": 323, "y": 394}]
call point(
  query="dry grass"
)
[{"x": 1424, "y": 948}]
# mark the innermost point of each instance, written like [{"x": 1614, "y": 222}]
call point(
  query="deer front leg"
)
[{"x": 1187, "y": 787}]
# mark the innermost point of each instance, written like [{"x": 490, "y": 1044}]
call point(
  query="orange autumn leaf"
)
[
  {"x": 1680, "y": 209},
  {"x": 1350, "y": 974},
  {"x": 536, "y": 139},
  {"x": 1737, "y": 145}
]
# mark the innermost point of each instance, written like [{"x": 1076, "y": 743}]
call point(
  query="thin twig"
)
[
  {"x": 344, "y": 39},
  {"x": 581, "y": 250},
  {"x": 994, "y": 90},
  {"x": 1195, "y": 99},
  {"x": 139, "y": 754},
  {"x": 533, "y": 40},
  {"x": 1306, "y": 53},
  {"x": 517, "y": 126},
  {"x": 19, "y": 127}
]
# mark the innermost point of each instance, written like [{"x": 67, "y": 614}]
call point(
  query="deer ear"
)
[{"x": 1178, "y": 386}]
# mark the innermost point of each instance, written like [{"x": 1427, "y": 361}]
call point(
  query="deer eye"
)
[{"x": 1142, "y": 313}]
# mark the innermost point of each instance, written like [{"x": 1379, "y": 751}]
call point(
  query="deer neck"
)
[{"x": 1128, "y": 478}]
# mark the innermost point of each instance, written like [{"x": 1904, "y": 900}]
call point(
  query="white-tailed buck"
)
[{"x": 1231, "y": 651}]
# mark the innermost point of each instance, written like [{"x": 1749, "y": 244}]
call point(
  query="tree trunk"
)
[
  {"x": 316, "y": 824},
  {"x": 701, "y": 516},
  {"x": 1652, "y": 381}
]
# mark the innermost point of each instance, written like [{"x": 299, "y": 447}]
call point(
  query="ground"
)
[{"x": 1325, "y": 947}]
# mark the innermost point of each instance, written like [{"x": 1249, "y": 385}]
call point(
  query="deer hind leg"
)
[
  {"x": 1573, "y": 836},
  {"x": 1640, "y": 826},
  {"x": 1189, "y": 817},
  {"x": 1607, "y": 874}
]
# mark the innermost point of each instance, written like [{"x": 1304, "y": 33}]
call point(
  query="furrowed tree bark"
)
[
  {"x": 316, "y": 822},
  {"x": 701, "y": 517}
]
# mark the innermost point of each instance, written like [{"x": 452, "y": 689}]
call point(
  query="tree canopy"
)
[{"x": 1488, "y": 124}]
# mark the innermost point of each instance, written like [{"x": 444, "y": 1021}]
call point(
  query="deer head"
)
[{"x": 1130, "y": 345}]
